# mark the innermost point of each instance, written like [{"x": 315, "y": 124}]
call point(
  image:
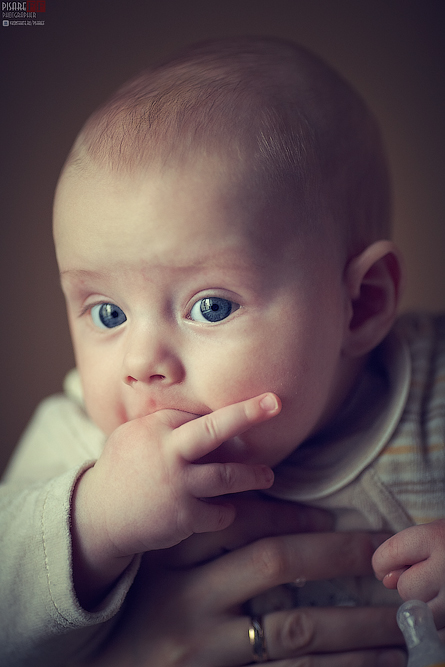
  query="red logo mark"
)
[{"x": 36, "y": 5}]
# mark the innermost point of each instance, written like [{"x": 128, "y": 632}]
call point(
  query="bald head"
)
[{"x": 269, "y": 109}]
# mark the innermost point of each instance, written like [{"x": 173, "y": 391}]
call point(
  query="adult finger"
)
[
  {"x": 277, "y": 560},
  {"x": 359, "y": 634},
  {"x": 198, "y": 437},
  {"x": 312, "y": 630},
  {"x": 257, "y": 516}
]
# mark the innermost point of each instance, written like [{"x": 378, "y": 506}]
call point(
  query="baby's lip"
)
[
  {"x": 193, "y": 413},
  {"x": 232, "y": 450},
  {"x": 179, "y": 406}
]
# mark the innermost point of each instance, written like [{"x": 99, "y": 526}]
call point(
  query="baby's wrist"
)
[{"x": 95, "y": 564}]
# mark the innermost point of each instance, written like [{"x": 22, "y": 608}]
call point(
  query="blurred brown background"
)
[{"x": 53, "y": 76}]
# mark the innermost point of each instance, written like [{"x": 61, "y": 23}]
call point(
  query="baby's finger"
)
[
  {"x": 208, "y": 517},
  {"x": 201, "y": 436},
  {"x": 217, "y": 479},
  {"x": 391, "y": 579},
  {"x": 398, "y": 553},
  {"x": 421, "y": 581}
]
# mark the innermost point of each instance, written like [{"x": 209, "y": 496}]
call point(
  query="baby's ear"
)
[{"x": 373, "y": 284}]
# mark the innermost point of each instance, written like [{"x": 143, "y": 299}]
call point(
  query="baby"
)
[{"x": 222, "y": 231}]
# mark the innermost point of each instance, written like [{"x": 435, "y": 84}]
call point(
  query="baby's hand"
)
[
  {"x": 145, "y": 492},
  {"x": 413, "y": 561}
]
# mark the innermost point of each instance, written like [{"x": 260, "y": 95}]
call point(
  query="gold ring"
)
[{"x": 257, "y": 640}]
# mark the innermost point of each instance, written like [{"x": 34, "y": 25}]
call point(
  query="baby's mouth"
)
[
  {"x": 233, "y": 450},
  {"x": 153, "y": 406}
]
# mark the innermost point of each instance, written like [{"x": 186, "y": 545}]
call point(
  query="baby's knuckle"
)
[
  {"x": 269, "y": 561},
  {"x": 211, "y": 427},
  {"x": 227, "y": 477}
]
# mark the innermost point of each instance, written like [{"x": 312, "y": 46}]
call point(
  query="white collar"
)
[{"x": 330, "y": 460}]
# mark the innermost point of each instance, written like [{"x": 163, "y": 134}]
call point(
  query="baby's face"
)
[{"x": 185, "y": 293}]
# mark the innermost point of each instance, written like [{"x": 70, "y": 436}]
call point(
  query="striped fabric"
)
[{"x": 412, "y": 464}]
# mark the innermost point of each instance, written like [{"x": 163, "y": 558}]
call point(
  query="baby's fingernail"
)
[
  {"x": 269, "y": 403},
  {"x": 268, "y": 475}
]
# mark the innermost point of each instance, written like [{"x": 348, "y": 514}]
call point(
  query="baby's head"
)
[
  {"x": 219, "y": 227},
  {"x": 266, "y": 110}
]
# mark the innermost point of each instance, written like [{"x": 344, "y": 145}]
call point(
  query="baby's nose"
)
[{"x": 151, "y": 361}]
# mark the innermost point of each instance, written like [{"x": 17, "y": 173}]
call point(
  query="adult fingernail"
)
[{"x": 269, "y": 403}]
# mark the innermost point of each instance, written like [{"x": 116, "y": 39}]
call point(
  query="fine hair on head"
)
[{"x": 269, "y": 109}]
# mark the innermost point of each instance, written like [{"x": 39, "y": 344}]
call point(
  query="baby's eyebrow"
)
[
  {"x": 77, "y": 277},
  {"x": 79, "y": 273}
]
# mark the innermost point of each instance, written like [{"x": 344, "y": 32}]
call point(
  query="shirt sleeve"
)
[{"x": 42, "y": 621}]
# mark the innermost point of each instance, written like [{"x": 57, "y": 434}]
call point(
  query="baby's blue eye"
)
[
  {"x": 107, "y": 315},
  {"x": 212, "y": 309}
]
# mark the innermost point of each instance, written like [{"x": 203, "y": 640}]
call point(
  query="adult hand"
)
[{"x": 191, "y": 614}]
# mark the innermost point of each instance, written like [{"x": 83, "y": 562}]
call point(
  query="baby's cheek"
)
[
  {"x": 228, "y": 387},
  {"x": 106, "y": 412}
]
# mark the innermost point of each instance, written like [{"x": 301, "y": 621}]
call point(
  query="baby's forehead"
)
[{"x": 209, "y": 197}]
